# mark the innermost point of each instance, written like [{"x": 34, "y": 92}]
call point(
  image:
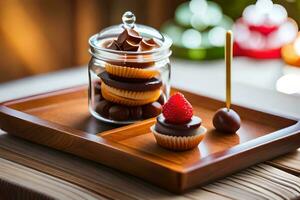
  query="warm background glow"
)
[{"x": 39, "y": 36}]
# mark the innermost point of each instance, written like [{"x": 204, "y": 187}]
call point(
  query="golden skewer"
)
[{"x": 228, "y": 61}]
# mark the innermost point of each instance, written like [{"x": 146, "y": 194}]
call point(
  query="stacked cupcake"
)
[{"x": 130, "y": 90}]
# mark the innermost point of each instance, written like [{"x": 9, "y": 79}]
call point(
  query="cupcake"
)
[
  {"x": 177, "y": 128},
  {"x": 130, "y": 40},
  {"x": 130, "y": 92}
]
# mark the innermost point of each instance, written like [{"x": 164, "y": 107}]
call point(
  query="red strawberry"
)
[{"x": 177, "y": 109}]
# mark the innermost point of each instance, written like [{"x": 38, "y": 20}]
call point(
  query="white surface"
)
[
  {"x": 253, "y": 83},
  {"x": 43, "y": 83}
]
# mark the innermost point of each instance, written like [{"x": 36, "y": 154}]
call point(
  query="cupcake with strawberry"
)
[{"x": 177, "y": 128}]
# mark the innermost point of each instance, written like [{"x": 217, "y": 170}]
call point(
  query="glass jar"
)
[{"x": 128, "y": 86}]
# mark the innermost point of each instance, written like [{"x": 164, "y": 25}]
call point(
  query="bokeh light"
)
[
  {"x": 191, "y": 38},
  {"x": 289, "y": 84},
  {"x": 278, "y": 14},
  {"x": 216, "y": 36},
  {"x": 213, "y": 14},
  {"x": 183, "y": 14},
  {"x": 297, "y": 46},
  {"x": 198, "y": 6}
]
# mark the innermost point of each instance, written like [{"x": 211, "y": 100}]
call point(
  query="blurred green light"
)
[
  {"x": 198, "y": 30},
  {"x": 197, "y": 54},
  {"x": 197, "y": 22},
  {"x": 205, "y": 43},
  {"x": 226, "y": 22},
  {"x": 174, "y": 32},
  {"x": 213, "y": 14},
  {"x": 183, "y": 14},
  {"x": 216, "y": 36},
  {"x": 191, "y": 38},
  {"x": 198, "y": 6}
]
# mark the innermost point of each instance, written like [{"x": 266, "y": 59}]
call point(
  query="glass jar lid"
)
[{"x": 97, "y": 42}]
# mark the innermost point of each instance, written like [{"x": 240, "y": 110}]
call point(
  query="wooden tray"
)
[{"x": 61, "y": 120}]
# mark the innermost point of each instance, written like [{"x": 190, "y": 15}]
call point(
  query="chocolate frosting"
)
[
  {"x": 130, "y": 46},
  {"x": 131, "y": 40},
  {"x": 131, "y": 36},
  {"x": 151, "y": 84},
  {"x": 147, "y": 45},
  {"x": 187, "y": 129},
  {"x": 114, "y": 45},
  {"x": 124, "y": 79}
]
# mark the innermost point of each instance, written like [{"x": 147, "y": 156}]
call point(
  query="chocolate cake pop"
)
[{"x": 226, "y": 119}]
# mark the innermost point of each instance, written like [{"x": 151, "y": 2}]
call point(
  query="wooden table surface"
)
[{"x": 30, "y": 171}]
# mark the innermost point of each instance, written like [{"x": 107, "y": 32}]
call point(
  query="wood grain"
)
[
  {"x": 290, "y": 163},
  {"x": 114, "y": 185},
  {"x": 20, "y": 181},
  {"x": 61, "y": 120}
]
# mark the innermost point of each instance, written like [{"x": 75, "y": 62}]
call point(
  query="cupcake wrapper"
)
[
  {"x": 130, "y": 72},
  {"x": 125, "y": 101},
  {"x": 154, "y": 94},
  {"x": 178, "y": 143}
]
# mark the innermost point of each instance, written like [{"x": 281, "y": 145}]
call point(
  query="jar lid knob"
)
[{"x": 128, "y": 19}]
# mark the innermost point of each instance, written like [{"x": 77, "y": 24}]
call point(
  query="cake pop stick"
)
[
  {"x": 226, "y": 119},
  {"x": 228, "y": 61}
]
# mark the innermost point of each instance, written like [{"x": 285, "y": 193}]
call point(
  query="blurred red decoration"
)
[{"x": 262, "y": 31}]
